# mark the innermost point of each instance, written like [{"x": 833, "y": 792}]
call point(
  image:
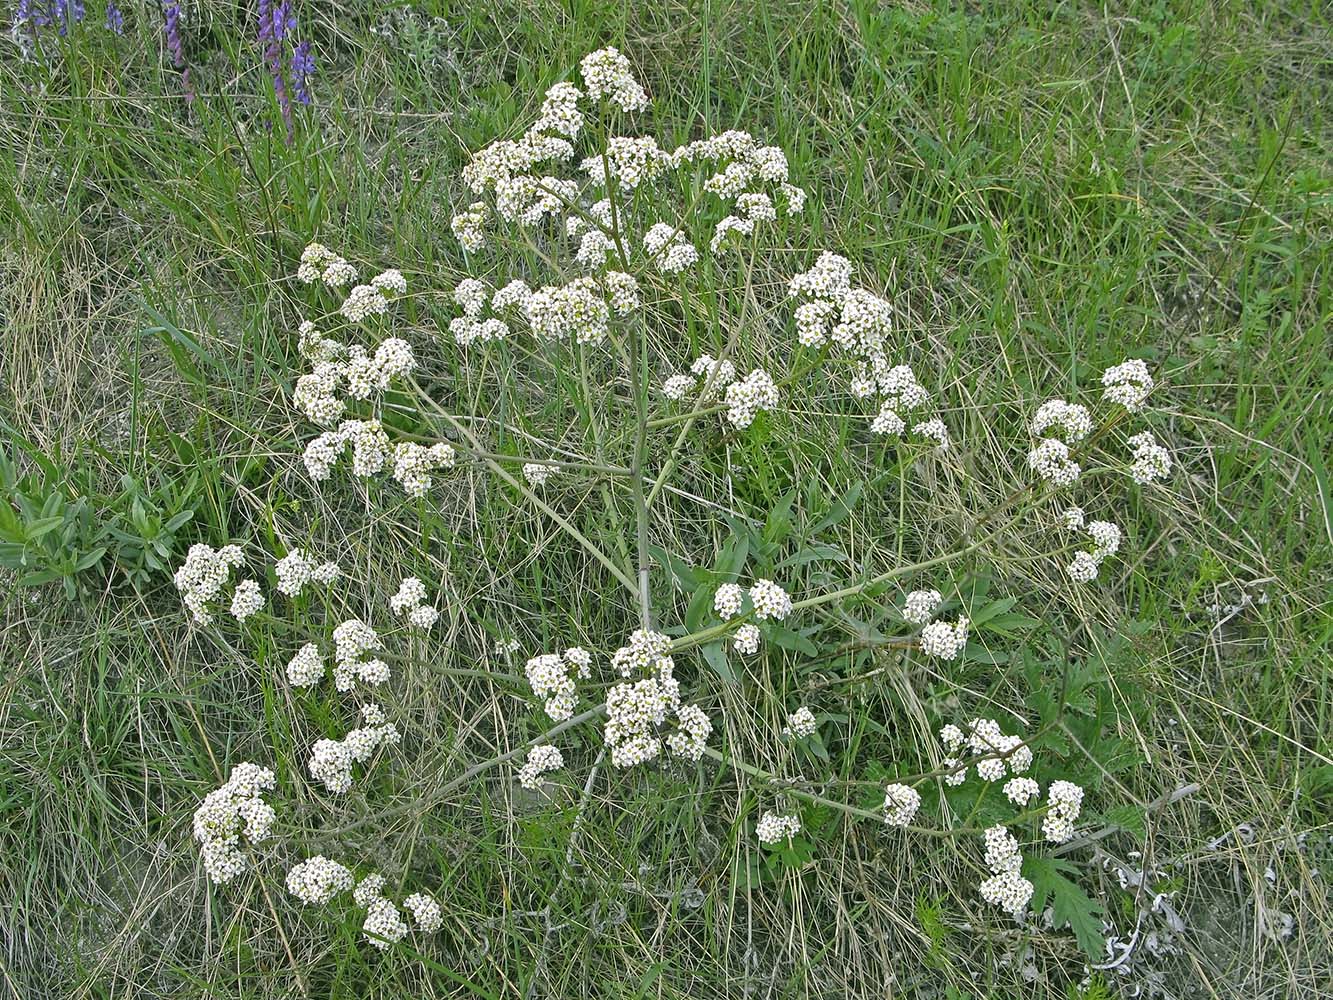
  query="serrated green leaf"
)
[
  {"x": 1070, "y": 906},
  {"x": 1129, "y": 818}
]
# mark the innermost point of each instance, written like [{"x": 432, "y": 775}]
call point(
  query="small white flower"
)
[
  {"x": 921, "y": 605},
  {"x": 246, "y": 600},
  {"x": 901, "y": 803},
  {"x": 800, "y": 724},
  {"x": 1083, "y": 569},
  {"x": 746, "y": 640},
  {"x": 1151, "y": 461},
  {"x": 425, "y": 912},
  {"x": 1128, "y": 384},
  {"x": 769, "y": 600},
  {"x": 677, "y": 387},
  {"x": 1021, "y": 791},
  {"x": 318, "y": 880},
  {"x": 728, "y": 600},
  {"x": 541, "y": 760},
  {"x": 537, "y": 473},
  {"x": 773, "y": 827},
  {"x": 945, "y": 641}
]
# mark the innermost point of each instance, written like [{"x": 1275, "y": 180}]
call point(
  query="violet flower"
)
[
  {"x": 65, "y": 12},
  {"x": 115, "y": 20},
  {"x": 176, "y": 46},
  {"x": 303, "y": 68},
  {"x": 275, "y": 20}
]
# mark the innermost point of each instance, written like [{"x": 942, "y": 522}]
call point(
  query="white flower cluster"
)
[
  {"x": 945, "y": 641},
  {"x": 319, "y": 263},
  {"x": 203, "y": 575},
  {"x": 769, "y": 600},
  {"x": 229, "y": 812},
  {"x": 858, "y": 323},
  {"x": 742, "y": 167},
  {"x": 773, "y": 827},
  {"x": 984, "y": 739},
  {"x": 541, "y": 760},
  {"x": 318, "y": 880},
  {"x": 1151, "y": 461},
  {"x": 607, "y": 75},
  {"x": 297, "y": 569},
  {"x": 901, "y": 803},
  {"x": 1006, "y": 888},
  {"x": 1128, "y": 384},
  {"x": 728, "y": 599},
  {"x": 668, "y": 249},
  {"x": 1064, "y": 801},
  {"x": 582, "y": 308},
  {"x": 352, "y": 640},
  {"x": 339, "y": 367},
  {"x": 247, "y": 599},
  {"x": 537, "y": 473},
  {"x": 414, "y": 463},
  {"x": 1105, "y": 543},
  {"x": 384, "y": 924},
  {"x": 1021, "y": 791},
  {"x": 746, "y": 640},
  {"x": 306, "y": 668},
  {"x": 331, "y": 760},
  {"x": 709, "y": 376},
  {"x": 411, "y": 601},
  {"x": 636, "y": 711},
  {"x": 1051, "y": 461},
  {"x": 373, "y": 299},
  {"x": 800, "y": 724},
  {"x": 470, "y": 226},
  {"x": 1070, "y": 422},
  {"x": 921, "y": 605},
  {"x": 369, "y": 444},
  {"x": 746, "y": 397},
  {"x": 633, "y": 161},
  {"x": 553, "y": 677}
]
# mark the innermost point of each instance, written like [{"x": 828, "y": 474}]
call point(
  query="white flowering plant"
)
[
  {"x": 630, "y": 281},
  {"x": 695, "y": 529}
]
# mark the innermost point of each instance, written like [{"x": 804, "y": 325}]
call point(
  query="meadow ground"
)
[{"x": 1042, "y": 188}]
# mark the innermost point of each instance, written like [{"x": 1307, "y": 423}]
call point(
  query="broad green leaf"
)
[
  {"x": 1070, "y": 906},
  {"x": 716, "y": 658}
]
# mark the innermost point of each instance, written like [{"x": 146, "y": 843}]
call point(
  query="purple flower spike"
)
[
  {"x": 176, "y": 46},
  {"x": 115, "y": 20},
  {"x": 303, "y": 68}
]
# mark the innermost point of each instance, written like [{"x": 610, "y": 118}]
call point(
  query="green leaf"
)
[
  {"x": 681, "y": 573},
  {"x": 716, "y": 658},
  {"x": 840, "y": 510},
  {"x": 992, "y": 610},
  {"x": 1129, "y": 818},
  {"x": 778, "y": 524},
  {"x": 700, "y": 608},
  {"x": 811, "y": 553},
  {"x": 90, "y": 559},
  {"x": 731, "y": 560},
  {"x": 1070, "y": 905},
  {"x": 795, "y": 641}
]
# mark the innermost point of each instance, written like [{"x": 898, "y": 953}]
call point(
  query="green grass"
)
[{"x": 1042, "y": 189}]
